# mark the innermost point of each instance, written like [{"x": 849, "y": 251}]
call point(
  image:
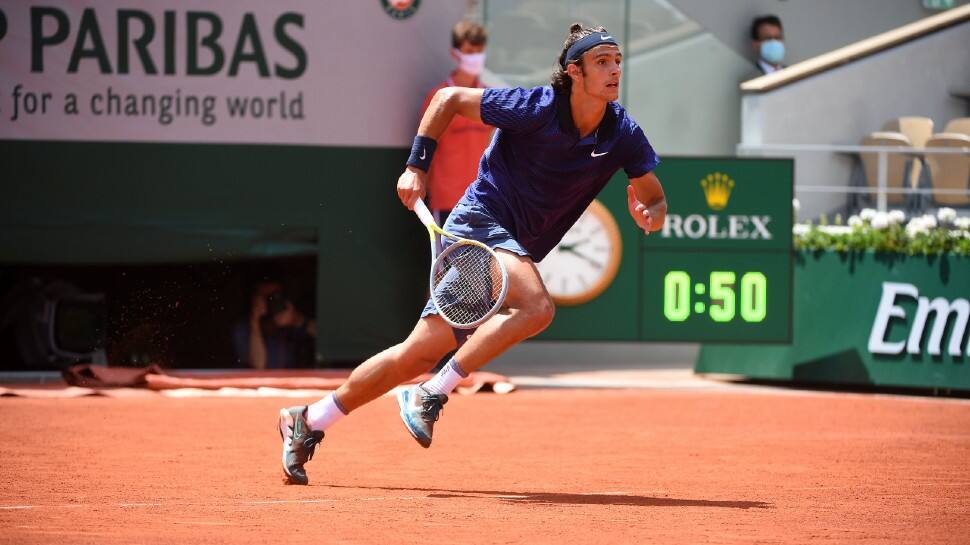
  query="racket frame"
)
[{"x": 421, "y": 210}]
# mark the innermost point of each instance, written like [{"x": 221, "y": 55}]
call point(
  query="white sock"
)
[
  {"x": 324, "y": 413},
  {"x": 447, "y": 378}
]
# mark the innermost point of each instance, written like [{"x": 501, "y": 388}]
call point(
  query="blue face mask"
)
[{"x": 773, "y": 51}]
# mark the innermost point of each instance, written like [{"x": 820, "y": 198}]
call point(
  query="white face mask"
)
[{"x": 470, "y": 63}]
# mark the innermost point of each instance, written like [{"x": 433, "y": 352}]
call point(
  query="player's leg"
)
[
  {"x": 528, "y": 307},
  {"x": 302, "y": 427},
  {"x": 529, "y": 310},
  {"x": 431, "y": 339}
]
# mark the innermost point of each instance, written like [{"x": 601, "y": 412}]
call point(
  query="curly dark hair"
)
[{"x": 561, "y": 82}]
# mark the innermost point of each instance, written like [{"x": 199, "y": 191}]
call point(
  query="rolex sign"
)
[{"x": 724, "y": 203}]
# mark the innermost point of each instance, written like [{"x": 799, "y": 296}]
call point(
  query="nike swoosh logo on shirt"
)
[
  {"x": 423, "y": 152},
  {"x": 594, "y": 154}
]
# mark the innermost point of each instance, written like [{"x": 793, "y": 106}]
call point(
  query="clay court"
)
[{"x": 729, "y": 465}]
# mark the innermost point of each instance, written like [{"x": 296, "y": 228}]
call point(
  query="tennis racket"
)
[{"x": 468, "y": 281}]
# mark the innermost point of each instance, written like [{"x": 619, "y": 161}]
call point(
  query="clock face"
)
[{"x": 586, "y": 260}]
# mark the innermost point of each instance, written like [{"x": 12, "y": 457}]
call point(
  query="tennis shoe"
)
[
  {"x": 419, "y": 411},
  {"x": 299, "y": 442}
]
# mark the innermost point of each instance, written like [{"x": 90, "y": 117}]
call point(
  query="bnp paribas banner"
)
[
  {"x": 868, "y": 319},
  {"x": 296, "y": 71}
]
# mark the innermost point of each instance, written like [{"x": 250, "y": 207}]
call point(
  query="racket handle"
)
[{"x": 423, "y": 213}]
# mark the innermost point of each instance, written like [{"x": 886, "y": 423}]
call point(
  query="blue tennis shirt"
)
[{"x": 538, "y": 176}]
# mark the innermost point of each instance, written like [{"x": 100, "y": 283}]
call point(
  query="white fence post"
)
[{"x": 881, "y": 180}]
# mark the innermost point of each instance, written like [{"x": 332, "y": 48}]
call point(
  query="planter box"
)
[{"x": 866, "y": 319}]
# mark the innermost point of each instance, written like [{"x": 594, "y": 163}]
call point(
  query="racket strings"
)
[{"x": 468, "y": 282}]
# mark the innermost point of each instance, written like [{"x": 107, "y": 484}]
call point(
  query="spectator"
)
[
  {"x": 768, "y": 42},
  {"x": 461, "y": 146},
  {"x": 277, "y": 335}
]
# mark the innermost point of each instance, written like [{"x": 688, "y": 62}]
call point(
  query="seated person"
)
[{"x": 277, "y": 335}]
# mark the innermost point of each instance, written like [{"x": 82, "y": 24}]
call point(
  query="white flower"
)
[
  {"x": 916, "y": 226},
  {"x": 912, "y": 231},
  {"x": 920, "y": 225},
  {"x": 867, "y": 214},
  {"x": 880, "y": 220},
  {"x": 855, "y": 222},
  {"x": 897, "y": 217},
  {"x": 796, "y": 205},
  {"x": 962, "y": 223},
  {"x": 946, "y": 215}
]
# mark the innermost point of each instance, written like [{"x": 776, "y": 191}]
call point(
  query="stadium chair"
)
[
  {"x": 918, "y": 130},
  {"x": 959, "y": 125},
  {"x": 896, "y": 171},
  {"x": 949, "y": 171}
]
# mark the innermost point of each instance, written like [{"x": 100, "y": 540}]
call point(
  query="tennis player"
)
[{"x": 555, "y": 148}]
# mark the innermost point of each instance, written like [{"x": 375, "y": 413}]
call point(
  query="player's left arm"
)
[{"x": 646, "y": 202}]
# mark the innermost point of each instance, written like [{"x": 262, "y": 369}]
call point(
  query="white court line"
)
[
  {"x": 270, "y": 502},
  {"x": 697, "y": 383},
  {"x": 879, "y": 486},
  {"x": 210, "y": 504}
]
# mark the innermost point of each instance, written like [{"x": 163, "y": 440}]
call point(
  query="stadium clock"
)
[{"x": 586, "y": 261}]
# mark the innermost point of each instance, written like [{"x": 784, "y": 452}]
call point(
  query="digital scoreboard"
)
[{"x": 721, "y": 268}]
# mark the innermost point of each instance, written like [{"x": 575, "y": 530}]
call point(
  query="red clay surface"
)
[{"x": 592, "y": 467}]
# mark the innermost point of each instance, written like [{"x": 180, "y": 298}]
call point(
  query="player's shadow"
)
[{"x": 561, "y": 498}]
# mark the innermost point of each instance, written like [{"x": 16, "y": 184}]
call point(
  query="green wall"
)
[
  {"x": 133, "y": 203},
  {"x": 70, "y": 203}
]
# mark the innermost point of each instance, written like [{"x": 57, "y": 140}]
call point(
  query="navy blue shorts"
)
[{"x": 473, "y": 221}]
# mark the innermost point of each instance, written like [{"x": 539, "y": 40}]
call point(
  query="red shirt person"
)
[{"x": 461, "y": 146}]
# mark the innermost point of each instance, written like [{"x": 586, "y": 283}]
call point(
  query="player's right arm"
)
[{"x": 446, "y": 103}]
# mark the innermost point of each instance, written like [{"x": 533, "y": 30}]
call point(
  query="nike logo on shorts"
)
[{"x": 594, "y": 154}]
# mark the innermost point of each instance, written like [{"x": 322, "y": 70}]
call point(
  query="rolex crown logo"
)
[{"x": 717, "y": 190}]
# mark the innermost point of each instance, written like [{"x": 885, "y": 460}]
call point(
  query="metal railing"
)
[{"x": 882, "y": 188}]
